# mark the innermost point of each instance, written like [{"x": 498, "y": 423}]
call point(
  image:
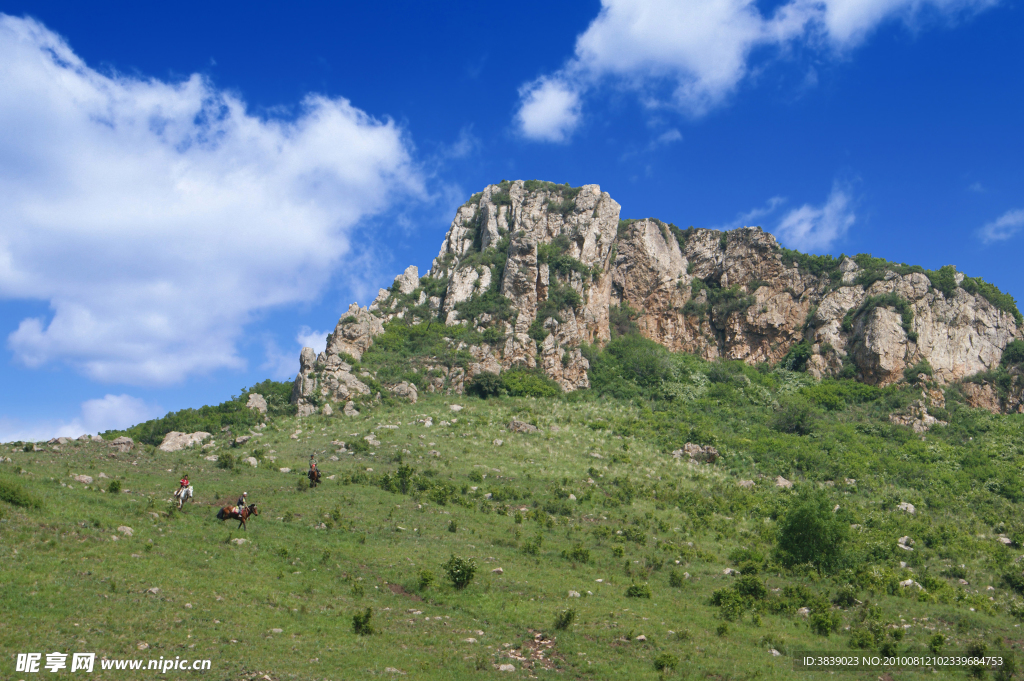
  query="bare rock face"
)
[
  {"x": 175, "y": 441},
  {"x": 916, "y": 417},
  {"x": 405, "y": 390},
  {"x": 122, "y": 444},
  {"x": 356, "y": 330},
  {"x": 537, "y": 269},
  {"x": 257, "y": 402}
]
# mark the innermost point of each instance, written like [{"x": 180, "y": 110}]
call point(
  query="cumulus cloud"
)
[
  {"x": 700, "y": 50},
  {"x": 1003, "y": 227},
  {"x": 110, "y": 412},
  {"x": 550, "y": 110},
  {"x": 817, "y": 228},
  {"x": 308, "y": 338},
  {"x": 156, "y": 218}
]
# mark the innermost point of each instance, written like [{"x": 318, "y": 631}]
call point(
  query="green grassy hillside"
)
[{"x": 597, "y": 554}]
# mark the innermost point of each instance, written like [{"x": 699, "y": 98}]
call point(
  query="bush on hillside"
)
[
  {"x": 16, "y": 495},
  {"x": 211, "y": 419},
  {"x": 812, "y": 533},
  {"x": 1013, "y": 354},
  {"x": 460, "y": 571}
]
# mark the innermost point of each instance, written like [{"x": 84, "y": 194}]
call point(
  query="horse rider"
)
[
  {"x": 313, "y": 472},
  {"x": 241, "y": 502},
  {"x": 184, "y": 485}
]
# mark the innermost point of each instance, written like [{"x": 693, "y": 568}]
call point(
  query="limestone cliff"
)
[{"x": 537, "y": 269}]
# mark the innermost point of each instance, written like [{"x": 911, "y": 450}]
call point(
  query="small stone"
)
[
  {"x": 804, "y": 612},
  {"x": 774, "y": 652},
  {"x": 907, "y": 507},
  {"x": 746, "y": 484},
  {"x": 469, "y": 640},
  {"x": 456, "y": 407},
  {"x": 211, "y": 457},
  {"x": 84, "y": 479},
  {"x": 153, "y": 590},
  {"x": 729, "y": 572},
  {"x": 498, "y": 443},
  {"x": 497, "y": 571},
  {"x": 640, "y": 638},
  {"x": 285, "y": 470},
  {"x": 238, "y": 541},
  {"x": 252, "y": 461},
  {"x": 125, "y": 530},
  {"x": 574, "y": 594},
  {"x": 277, "y": 631},
  {"x": 506, "y": 668},
  {"x": 142, "y": 646},
  {"x": 517, "y": 426}
]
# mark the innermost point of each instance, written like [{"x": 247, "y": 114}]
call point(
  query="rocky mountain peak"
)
[{"x": 532, "y": 270}]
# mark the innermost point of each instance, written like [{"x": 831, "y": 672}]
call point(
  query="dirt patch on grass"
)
[{"x": 399, "y": 590}]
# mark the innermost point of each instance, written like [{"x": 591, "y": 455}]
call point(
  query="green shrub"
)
[
  {"x": 452, "y": 527},
  {"x": 796, "y": 358},
  {"x": 1013, "y": 354},
  {"x": 460, "y": 571},
  {"x": 486, "y": 384},
  {"x": 676, "y": 579},
  {"x": 577, "y": 554},
  {"x": 638, "y": 591},
  {"x": 114, "y": 487},
  {"x": 529, "y": 383},
  {"x": 425, "y": 579},
  {"x": 812, "y": 533},
  {"x": 824, "y": 623},
  {"x": 359, "y": 446},
  {"x": 361, "y": 622},
  {"x": 16, "y": 495},
  {"x": 944, "y": 279},
  {"x": 665, "y": 661},
  {"x": 564, "y": 619},
  {"x": 622, "y": 320},
  {"x": 794, "y": 415},
  {"x": 910, "y": 374}
]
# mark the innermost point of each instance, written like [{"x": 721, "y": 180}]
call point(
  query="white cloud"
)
[
  {"x": 700, "y": 49},
  {"x": 753, "y": 216},
  {"x": 308, "y": 338},
  {"x": 1003, "y": 227},
  {"x": 110, "y": 412},
  {"x": 550, "y": 110},
  {"x": 815, "y": 229},
  {"x": 156, "y": 218}
]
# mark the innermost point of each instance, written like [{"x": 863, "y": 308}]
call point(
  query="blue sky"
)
[{"x": 188, "y": 196}]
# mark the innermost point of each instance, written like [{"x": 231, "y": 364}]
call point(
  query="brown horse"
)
[{"x": 229, "y": 513}]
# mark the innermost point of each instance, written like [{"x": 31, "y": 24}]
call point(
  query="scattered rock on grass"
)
[
  {"x": 783, "y": 483},
  {"x": 518, "y": 426},
  {"x": 125, "y": 530}
]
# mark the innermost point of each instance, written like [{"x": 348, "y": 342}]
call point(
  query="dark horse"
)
[
  {"x": 314, "y": 477},
  {"x": 229, "y": 513}
]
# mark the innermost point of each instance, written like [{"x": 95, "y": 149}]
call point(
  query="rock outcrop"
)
[
  {"x": 175, "y": 441},
  {"x": 533, "y": 270}
]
